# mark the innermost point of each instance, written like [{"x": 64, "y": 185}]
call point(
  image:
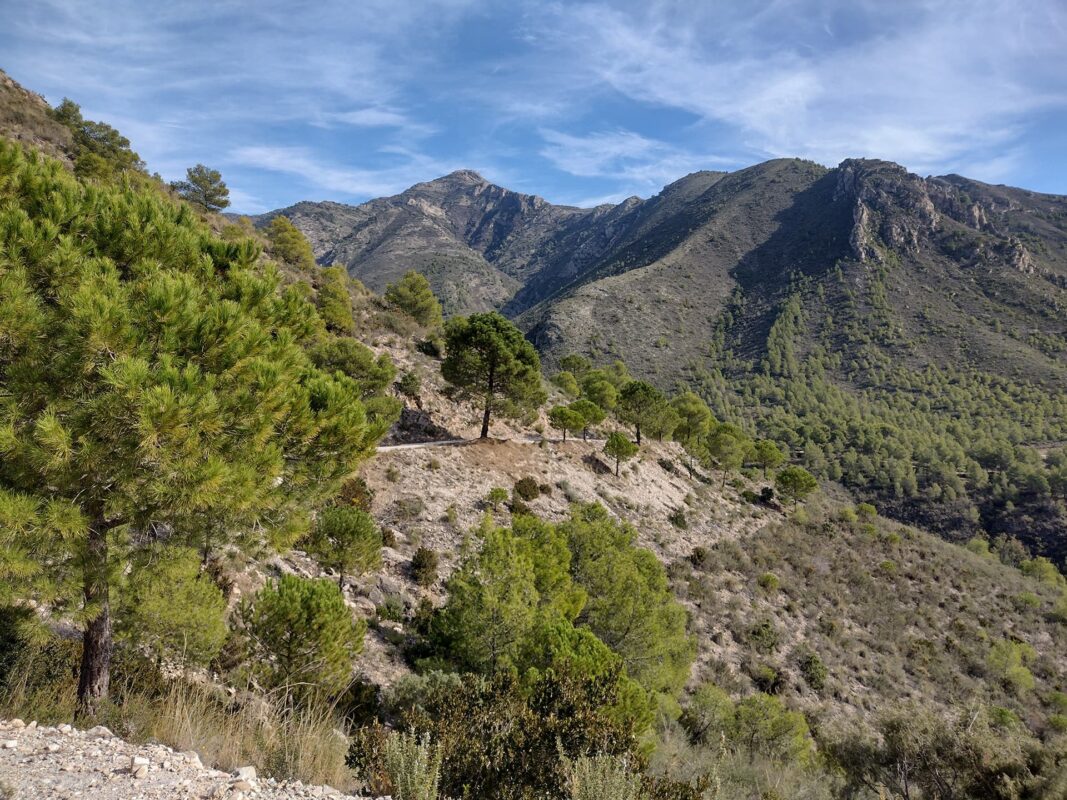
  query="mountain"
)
[
  {"x": 905, "y": 336},
  {"x": 648, "y": 280}
]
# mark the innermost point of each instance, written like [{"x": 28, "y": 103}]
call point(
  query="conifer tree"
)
[
  {"x": 590, "y": 412},
  {"x": 346, "y": 540},
  {"x": 203, "y": 187},
  {"x": 566, "y": 419},
  {"x": 288, "y": 244},
  {"x": 620, "y": 448},
  {"x": 412, "y": 295},
  {"x": 489, "y": 359},
  {"x": 694, "y": 422},
  {"x": 795, "y": 483},
  {"x": 152, "y": 378},
  {"x": 639, "y": 405}
]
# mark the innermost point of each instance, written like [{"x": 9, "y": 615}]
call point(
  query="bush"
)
[
  {"x": 527, "y": 489},
  {"x": 412, "y": 766},
  {"x": 412, "y": 295},
  {"x": 768, "y": 581},
  {"x": 424, "y": 566},
  {"x": 813, "y": 669},
  {"x": 497, "y": 496},
  {"x": 678, "y": 520},
  {"x": 302, "y": 635},
  {"x": 700, "y": 558},
  {"x": 763, "y": 636},
  {"x": 173, "y": 609},
  {"x": 602, "y": 778},
  {"x": 1007, "y": 662},
  {"x": 347, "y": 541},
  {"x": 409, "y": 385}
]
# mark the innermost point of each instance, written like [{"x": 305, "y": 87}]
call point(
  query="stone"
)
[
  {"x": 140, "y": 772},
  {"x": 138, "y": 761},
  {"x": 53, "y": 747},
  {"x": 17, "y": 724},
  {"x": 32, "y": 726},
  {"x": 100, "y": 732},
  {"x": 241, "y": 786},
  {"x": 10, "y": 744},
  {"x": 245, "y": 773},
  {"x": 65, "y": 728},
  {"x": 192, "y": 757}
]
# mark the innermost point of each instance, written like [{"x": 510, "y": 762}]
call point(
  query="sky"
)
[{"x": 579, "y": 102}]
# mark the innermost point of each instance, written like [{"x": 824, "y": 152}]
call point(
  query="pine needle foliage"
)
[{"x": 153, "y": 379}]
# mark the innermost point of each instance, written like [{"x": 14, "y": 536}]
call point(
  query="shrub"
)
[
  {"x": 813, "y": 669},
  {"x": 172, "y": 608},
  {"x": 412, "y": 765},
  {"x": 763, "y": 636},
  {"x": 602, "y": 778},
  {"x": 302, "y": 635},
  {"x": 347, "y": 541},
  {"x": 866, "y": 512},
  {"x": 678, "y": 520},
  {"x": 497, "y": 496},
  {"x": 700, "y": 557},
  {"x": 527, "y": 489},
  {"x": 409, "y": 385},
  {"x": 768, "y": 581},
  {"x": 1007, "y": 662},
  {"x": 424, "y": 566},
  {"x": 412, "y": 295}
]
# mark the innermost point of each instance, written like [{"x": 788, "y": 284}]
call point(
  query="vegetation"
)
[
  {"x": 203, "y": 187},
  {"x": 620, "y": 448},
  {"x": 347, "y": 541},
  {"x": 289, "y": 245},
  {"x": 412, "y": 295},
  {"x": 795, "y": 483},
  {"x": 302, "y": 636},
  {"x": 489, "y": 358},
  {"x": 147, "y": 381}
]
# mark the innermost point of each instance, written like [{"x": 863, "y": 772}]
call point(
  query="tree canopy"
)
[
  {"x": 203, "y": 187},
  {"x": 147, "y": 382},
  {"x": 489, "y": 358},
  {"x": 412, "y": 295}
]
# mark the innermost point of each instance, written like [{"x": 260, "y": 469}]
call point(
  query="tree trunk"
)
[
  {"x": 488, "y": 403},
  {"x": 94, "y": 680},
  {"x": 638, "y": 428},
  {"x": 616, "y": 466}
]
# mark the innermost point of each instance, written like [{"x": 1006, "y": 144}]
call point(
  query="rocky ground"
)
[{"x": 43, "y": 763}]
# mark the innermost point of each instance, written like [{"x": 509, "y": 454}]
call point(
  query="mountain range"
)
[{"x": 953, "y": 270}]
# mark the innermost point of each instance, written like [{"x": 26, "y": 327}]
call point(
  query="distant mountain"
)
[{"x": 963, "y": 271}]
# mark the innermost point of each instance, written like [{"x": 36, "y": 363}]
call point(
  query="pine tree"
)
[
  {"x": 203, "y": 187},
  {"x": 288, "y": 244},
  {"x": 564, "y": 419},
  {"x": 620, "y": 448},
  {"x": 795, "y": 483},
  {"x": 768, "y": 455},
  {"x": 694, "y": 422},
  {"x": 347, "y": 541},
  {"x": 412, "y": 295},
  {"x": 729, "y": 446},
  {"x": 639, "y": 405},
  {"x": 590, "y": 412},
  {"x": 489, "y": 358},
  {"x": 303, "y": 635},
  {"x": 152, "y": 378}
]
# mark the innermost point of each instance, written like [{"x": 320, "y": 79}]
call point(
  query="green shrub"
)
[
  {"x": 678, "y": 520},
  {"x": 763, "y": 636},
  {"x": 302, "y": 635},
  {"x": 813, "y": 669},
  {"x": 527, "y": 489},
  {"x": 424, "y": 566},
  {"x": 412, "y": 765},
  {"x": 1007, "y": 662},
  {"x": 866, "y": 512},
  {"x": 768, "y": 581},
  {"x": 497, "y": 496},
  {"x": 347, "y": 541},
  {"x": 409, "y": 384},
  {"x": 603, "y": 778}
]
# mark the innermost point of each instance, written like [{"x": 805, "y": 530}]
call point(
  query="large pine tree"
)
[{"x": 154, "y": 385}]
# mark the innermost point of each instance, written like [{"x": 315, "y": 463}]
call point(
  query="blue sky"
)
[{"x": 580, "y": 102}]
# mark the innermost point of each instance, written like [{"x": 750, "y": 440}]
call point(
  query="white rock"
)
[
  {"x": 100, "y": 732},
  {"x": 65, "y": 728},
  {"x": 53, "y": 747},
  {"x": 192, "y": 757},
  {"x": 32, "y": 726},
  {"x": 10, "y": 744},
  {"x": 16, "y": 723},
  {"x": 141, "y": 771},
  {"x": 245, "y": 773},
  {"x": 138, "y": 761}
]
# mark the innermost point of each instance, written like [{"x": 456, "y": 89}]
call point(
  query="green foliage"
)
[
  {"x": 575, "y": 364},
  {"x": 489, "y": 358},
  {"x": 409, "y": 384},
  {"x": 603, "y": 778},
  {"x": 335, "y": 303},
  {"x": 497, "y": 496},
  {"x": 567, "y": 383},
  {"x": 768, "y": 455},
  {"x": 795, "y": 483},
  {"x": 302, "y": 635},
  {"x": 565, "y": 419},
  {"x": 413, "y": 766},
  {"x": 288, "y": 244},
  {"x": 148, "y": 382},
  {"x": 203, "y": 187},
  {"x": 1007, "y": 662},
  {"x": 347, "y": 541},
  {"x": 412, "y": 295},
  {"x": 502, "y": 740},
  {"x": 641, "y": 405},
  {"x": 619, "y": 447},
  {"x": 352, "y": 358},
  {"x": 170, "y": 607},
  {"x": 100, "y": 151},
  {"x": 729, "y": 447},
  {"x": 599, "y": 390},
  {"x": 424, "y": 566},
  {"x": 813, "y": 669},
  {"x": 527, "y": 489},
  {"x": 768, "y": 581},
  {"x": 589, "y": 413}
]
